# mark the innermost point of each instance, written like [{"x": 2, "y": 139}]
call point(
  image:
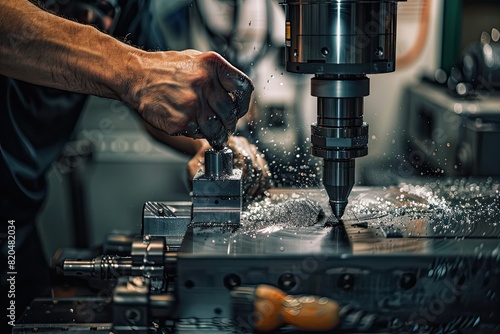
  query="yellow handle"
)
[{"x": 311, "y": 313}]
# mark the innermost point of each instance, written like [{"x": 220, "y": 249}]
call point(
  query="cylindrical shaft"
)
[
  {"x": 103, "y": 267},
  {"x": 340, "y": 135},
  {"x": 213, "y": 163},
  {"x": 218, "y": 163}
]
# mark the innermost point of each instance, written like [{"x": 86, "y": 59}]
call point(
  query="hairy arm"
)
[
  {"x": 44, "y": 49},
  {"x": 188, "y": 92}
]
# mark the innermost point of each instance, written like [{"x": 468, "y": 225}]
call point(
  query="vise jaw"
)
[{"x": 217, "y": 191}]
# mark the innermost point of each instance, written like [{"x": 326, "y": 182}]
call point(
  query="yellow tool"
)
[{"x": 265, "y": 308}]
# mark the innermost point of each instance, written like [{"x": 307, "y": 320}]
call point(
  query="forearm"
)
[
  {"x": 42, "y": 48},
  {"x": 188, "y": 92}
]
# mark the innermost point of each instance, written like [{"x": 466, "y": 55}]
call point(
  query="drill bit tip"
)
[{"x": 338, "y": 208}]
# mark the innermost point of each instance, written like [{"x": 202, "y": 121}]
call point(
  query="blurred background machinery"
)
[{"x": 454, "y": 116}]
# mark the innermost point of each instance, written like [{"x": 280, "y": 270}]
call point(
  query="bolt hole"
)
[
  {"x": 407, "y": 281},
  {"x": 287, "y": 281},
  {"x": 133, "y": 316},
  {"x": 346, "y": 282},
  {"x": 217, "y": 311},
  {"x": 232, "y": 281},
  {"x": 216, "y": 201},
  {"x": 189, "y": 284},
  {"x": 379, "y": 52}
]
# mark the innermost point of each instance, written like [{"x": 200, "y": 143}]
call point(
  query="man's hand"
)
[
  {"x": 196, "y": 94},
  {"x": 256, "y": 175}
]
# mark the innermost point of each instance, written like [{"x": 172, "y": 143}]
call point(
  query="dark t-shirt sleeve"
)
[{"x": 35, "y": 123}]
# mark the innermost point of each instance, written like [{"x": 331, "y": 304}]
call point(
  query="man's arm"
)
[
  {"x": 192, "y": 93},
  {"x": 44, "y": 49}
]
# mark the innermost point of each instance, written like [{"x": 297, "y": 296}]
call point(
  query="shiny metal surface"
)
[
  {"x": 218, "y": 163},
  {"x": 406, "y": 259},
  {"x": 428, "y": 215},
  {"x": 102, "y": 267},
  {"x": 340, "y": 42},
  {"x": 341, "y": 37},
  {"x": 335, "y": 112},
  {"x": 390, "y": 259},
  {"x": 340, "y": 87},
  {"x": 166, "y": 219}
]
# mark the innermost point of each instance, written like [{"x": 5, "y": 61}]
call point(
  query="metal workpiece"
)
[
  {"x": 217, "y": 191},
  {"x": 385, "y": 262},
  {"x": 412, "y": 258},
  {"x": 168, "y": 220},
  {"x": 228, "y": 185}
]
